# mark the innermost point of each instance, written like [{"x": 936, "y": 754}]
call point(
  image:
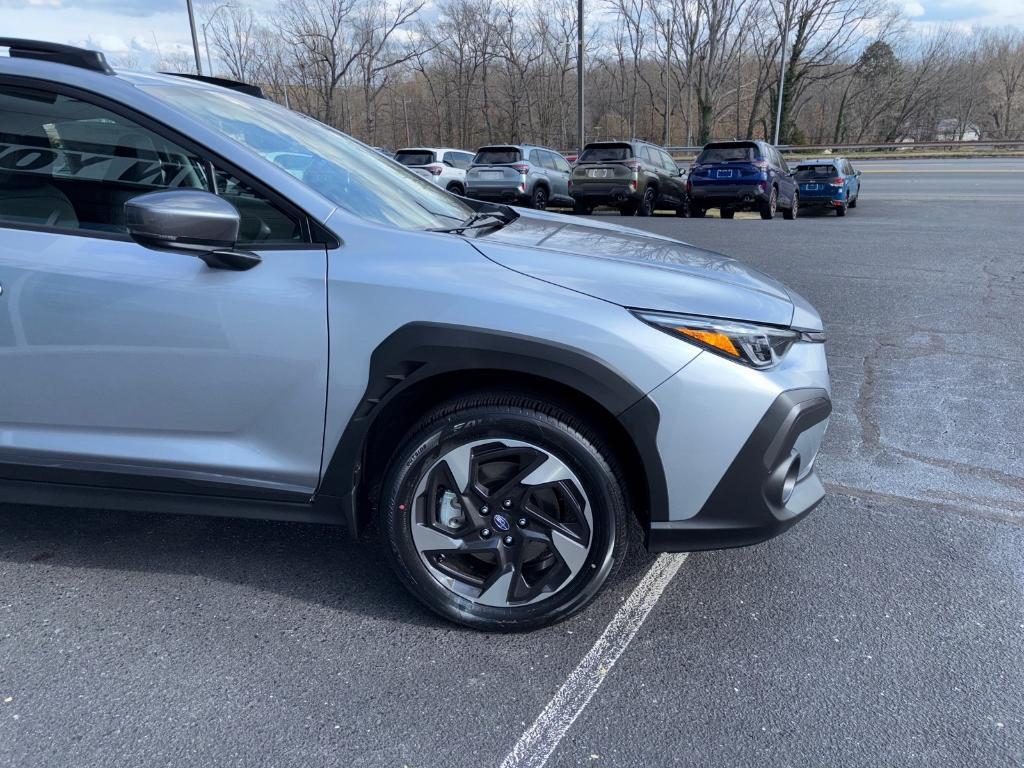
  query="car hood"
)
[{"x": 641, "y": 270}]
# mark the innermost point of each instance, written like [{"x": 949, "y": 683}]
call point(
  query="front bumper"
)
[
  {"x": 737, "y": 448},
  {"x": 762, "y": 493}
]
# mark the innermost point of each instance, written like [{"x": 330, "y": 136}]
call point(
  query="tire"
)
[
  {"x": 793, "y": 211},
  {"x": 841, "y": 210},
  {"x": 456, "y": 189},
  {"x": 629, "y": 209},
  {"x": 726, "y": 213},
  {"x": 539, "y": 198},
  {"x": 853, "y": 203},
  {"x": 581, "y": 210},
  {"x": 696, "y": 212},
  {"x": 646, "y": 206},
  {"x": 683, "y": 211},
  {"x": 476, "y": 578},
  {"x": 768, "y": 208}
]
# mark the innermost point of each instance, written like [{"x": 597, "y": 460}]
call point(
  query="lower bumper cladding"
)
[{"x": 762, "y": 492}]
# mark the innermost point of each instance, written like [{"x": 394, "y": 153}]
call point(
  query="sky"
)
[{"x": 138, "y": 33}]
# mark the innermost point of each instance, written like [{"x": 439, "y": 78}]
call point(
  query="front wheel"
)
[
  {"x": 853, "y": 203},
  {"x": 841, "y": 210},
  {"x": 504, "y": 512},
  {"x": 456, "y": 189}
]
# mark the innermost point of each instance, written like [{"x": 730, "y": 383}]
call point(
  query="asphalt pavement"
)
[{"x": 886, "y": 629}]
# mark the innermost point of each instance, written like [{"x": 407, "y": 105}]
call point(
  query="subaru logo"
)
[{"x": 501, "y": 523}]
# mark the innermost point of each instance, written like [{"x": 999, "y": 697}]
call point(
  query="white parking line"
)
[{"x": 541, "y": 739}]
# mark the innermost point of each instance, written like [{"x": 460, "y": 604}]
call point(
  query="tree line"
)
[{"x": 677, "y": 72}]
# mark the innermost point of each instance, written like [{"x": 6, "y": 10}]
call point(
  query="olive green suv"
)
[{"x": 633, "y": 176}]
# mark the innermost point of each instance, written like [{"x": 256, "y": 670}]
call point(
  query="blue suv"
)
[
  {"x": 831, "y": 182},
  {"x": 742, "y": 176}
]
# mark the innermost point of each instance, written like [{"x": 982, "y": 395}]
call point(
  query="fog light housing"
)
[{"x": 783, "y": 479}]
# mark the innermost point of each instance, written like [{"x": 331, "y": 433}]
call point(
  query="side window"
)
[
  {"x": 782, "y": 162},
  {"x": 457, "y": 160},
  {"x": 549, "y": 161},
  {"x": 669, "y": 163},
  {"x": 562, "y": 164},
  {"x": 645, "y": 154},
  {"x": 68, "y": 164},
  {"x": 535, "y": 158}
]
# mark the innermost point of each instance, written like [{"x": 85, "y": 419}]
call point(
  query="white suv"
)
[{"x": 443, "y": 166}]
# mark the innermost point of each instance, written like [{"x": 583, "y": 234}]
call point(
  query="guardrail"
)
[{"x": 876, "y": 146}]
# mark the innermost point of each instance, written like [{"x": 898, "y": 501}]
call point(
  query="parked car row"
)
[{"x": 639, "y": 178}]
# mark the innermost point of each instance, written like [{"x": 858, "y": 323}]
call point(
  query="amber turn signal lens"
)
[{"x": 712, "y": 339}]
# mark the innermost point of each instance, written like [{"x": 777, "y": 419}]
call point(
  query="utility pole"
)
[
  {"x": 668, "y": 77},
  {"x": 580, "y": 112},
  {"x": 195, "y": 37},
  {"x": 782, "y": 71}
]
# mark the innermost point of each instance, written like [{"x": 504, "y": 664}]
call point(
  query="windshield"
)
[
  {"x": 808, "y": 172},
  {"x": 497, "y": 156},
  {"x": 337, "y": 166},
  {"x": 414, "y": 157},
  {"x": 606, "y": 152},
  {"x": 735, "y": 153}
]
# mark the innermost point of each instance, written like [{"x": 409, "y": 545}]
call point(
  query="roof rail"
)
[
  {"x": 59, "y": 54},
  {"x": 223, "y": 82}
]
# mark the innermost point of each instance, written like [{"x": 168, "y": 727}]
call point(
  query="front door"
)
[{"x": 123, "y": 365}]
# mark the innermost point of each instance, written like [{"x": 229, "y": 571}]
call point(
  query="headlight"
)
[{"x": 759, "y": 346}]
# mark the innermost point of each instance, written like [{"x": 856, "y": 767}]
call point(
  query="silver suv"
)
[
  {"x": 443, "y": 166},
  {"x": 521, "y": 174},
  {"x": 210, "y": 304}
]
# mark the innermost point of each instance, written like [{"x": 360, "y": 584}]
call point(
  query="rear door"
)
[
  {"x": 787, "y": 183},
  {"x": 565, "y": 174},
  {"x": 127, "y": 366},
  {"x": 558, "y": 178}
]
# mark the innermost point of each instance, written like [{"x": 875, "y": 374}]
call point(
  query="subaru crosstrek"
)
[
  {"x": 742, "y": 176},
  {"x": 188, "y": 326}
]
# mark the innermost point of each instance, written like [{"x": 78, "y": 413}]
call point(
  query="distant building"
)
[{"x": 951, "y": 129}]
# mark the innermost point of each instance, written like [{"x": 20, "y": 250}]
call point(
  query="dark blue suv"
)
[{"x": 742, "y": 176}]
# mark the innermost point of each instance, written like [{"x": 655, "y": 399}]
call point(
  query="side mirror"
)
[{"x": 192, "y": 221}]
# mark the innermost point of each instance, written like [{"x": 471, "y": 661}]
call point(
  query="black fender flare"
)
[{"x": 419, "y": 351}]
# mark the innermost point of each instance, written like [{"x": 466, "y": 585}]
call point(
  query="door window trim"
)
[{"x": 313, "y": 232}]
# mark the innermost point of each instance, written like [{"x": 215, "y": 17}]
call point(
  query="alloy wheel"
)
[{"x": 501, "y": 522}]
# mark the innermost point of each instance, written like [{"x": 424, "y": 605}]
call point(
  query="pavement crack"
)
[{"x": 908, "y": 501}]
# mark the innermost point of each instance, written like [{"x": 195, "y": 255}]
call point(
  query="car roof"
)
[{"x": 820, "y": 161}]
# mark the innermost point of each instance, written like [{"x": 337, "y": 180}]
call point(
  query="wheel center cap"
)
[{"x": 501, "y": 523}]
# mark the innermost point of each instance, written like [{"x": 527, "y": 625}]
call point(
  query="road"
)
[{"x": 886, "y": 629}]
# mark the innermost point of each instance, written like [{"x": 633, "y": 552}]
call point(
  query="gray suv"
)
[
  {"x": 190, "y": 325},
  {"x": 520, "y": 174}
]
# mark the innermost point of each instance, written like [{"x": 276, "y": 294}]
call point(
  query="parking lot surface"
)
[{"x": 886, "y": 629}]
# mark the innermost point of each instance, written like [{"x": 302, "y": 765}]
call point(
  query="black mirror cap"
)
[{"x": 189, "y": 219}]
